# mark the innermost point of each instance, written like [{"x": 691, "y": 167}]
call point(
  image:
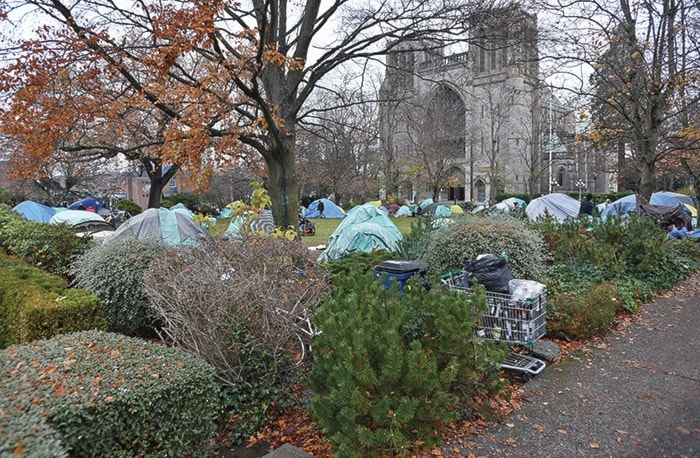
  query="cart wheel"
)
[{"x": 525, "y": 377}]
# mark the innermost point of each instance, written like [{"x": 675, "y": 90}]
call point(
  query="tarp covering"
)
[
  {"x": 181, "y": 208},
  {"x": 330, "y": 210},
  {"x": 34, "y": 211},
  {"x": 263, "y": 222},
  {"x": 365, "y": 229},
  {"x": 171, "y": 227},
  {"x": 666, "y": 215},
  {"x": 403, "y": 210},
  {"x": 73, "y": 217},
  {"x": 559, "y": 206}
]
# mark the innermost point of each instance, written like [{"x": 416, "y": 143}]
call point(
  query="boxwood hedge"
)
[{"x": 102, "y": 394}]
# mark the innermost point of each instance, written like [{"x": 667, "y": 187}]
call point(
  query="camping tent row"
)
[
  {"x": 173, "y": 226},
  {"x": 628, "y": 204}
]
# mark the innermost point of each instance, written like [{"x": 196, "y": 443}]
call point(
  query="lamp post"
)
[
  {"x": 553, "y": 185},
  {"x": 580, "y": 184}
]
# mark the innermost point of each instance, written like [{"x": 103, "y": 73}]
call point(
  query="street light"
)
[
  {"x": 552, "y": 185},
  {"x": 580, "y": 184}
]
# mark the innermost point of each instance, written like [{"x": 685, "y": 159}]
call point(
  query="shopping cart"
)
[{"x": 516, "y": 322}]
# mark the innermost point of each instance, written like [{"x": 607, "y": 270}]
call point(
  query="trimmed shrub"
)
[
  {"x": 47, "y": 246},
  {"x": 584, "y": 311},
  {"x": 471, "y": 236},
  {"x": 36, "y": 305},
  {"x": 388, "y": 363},
  {"x": 102, "y": 394},
  {"x": 114, "y": 272}
]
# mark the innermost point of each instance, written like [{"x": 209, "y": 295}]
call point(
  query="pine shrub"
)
[{"x": 388, "y": 363}]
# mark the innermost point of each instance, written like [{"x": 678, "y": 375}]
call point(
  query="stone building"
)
[{"x": 468, "y": 125}]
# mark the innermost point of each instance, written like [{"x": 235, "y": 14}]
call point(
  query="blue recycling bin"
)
[{"x": 399, "y": 270}]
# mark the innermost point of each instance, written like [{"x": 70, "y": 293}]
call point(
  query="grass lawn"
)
[{"x": 326, "y": 226}]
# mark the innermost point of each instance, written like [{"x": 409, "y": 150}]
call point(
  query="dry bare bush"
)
[{"x": 234, "y": 304}]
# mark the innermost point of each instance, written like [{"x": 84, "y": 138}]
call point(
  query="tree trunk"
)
[
  {"x": 283, "y": 184},
  {"x": 155, "y": 193}
]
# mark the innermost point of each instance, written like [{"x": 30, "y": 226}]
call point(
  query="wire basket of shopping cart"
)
[{"x": 518, "y": 318}]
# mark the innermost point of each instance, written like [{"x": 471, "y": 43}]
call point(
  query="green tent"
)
[{"x": 365, "y": 228}]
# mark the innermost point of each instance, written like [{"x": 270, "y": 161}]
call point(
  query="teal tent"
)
[
  {"x": 365, "y": 228},
  {"x": 403, "y": 211},
  {"x": 75, "y": 217}
]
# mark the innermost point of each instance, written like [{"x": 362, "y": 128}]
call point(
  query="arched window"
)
[
  {"x": 560, "y": 176},
  {"x": 480, "y": 191}
]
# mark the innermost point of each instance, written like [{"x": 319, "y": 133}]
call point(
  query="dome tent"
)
[
  {"x": 34, "y": 211},
  {"x": 330, "y": 210},
  {"x": 403, "y": 211},
  {"x": 365, "y": 229},
  {"x": 560, "y": 206},
  {"x": 91, "y": 204}
]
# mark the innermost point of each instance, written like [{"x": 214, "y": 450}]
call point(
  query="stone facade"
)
[{"x": 479, "y": 120}]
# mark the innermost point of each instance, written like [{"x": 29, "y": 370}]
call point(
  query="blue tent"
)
[
  {"x": 34, "y": 211},
  {"x": 621, "y": 206},
  {"x": 330, "y": 210},
  {"x": 90, "y": 204},
  {"x": 365, "y": 229}
]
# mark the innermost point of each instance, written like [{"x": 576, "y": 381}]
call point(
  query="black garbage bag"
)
[{"x": 490, "y": 271}]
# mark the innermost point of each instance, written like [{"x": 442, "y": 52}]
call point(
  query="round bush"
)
[
  {"x": 469, "y": 236},
  {"x": 114, "y": 272}
]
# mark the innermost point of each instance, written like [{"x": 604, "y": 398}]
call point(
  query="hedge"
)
[
  {"x": 93, "y": 393},
  {"x": 36, "y": 305}
]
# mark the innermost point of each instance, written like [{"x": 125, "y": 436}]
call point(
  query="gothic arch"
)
[{"x": 445, "y": 118}]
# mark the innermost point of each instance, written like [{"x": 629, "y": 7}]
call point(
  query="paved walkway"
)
[{"x": 634, "y": 393}]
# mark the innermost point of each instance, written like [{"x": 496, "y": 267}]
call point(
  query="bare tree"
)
[
  {"x": 643, "y": 61},
  {"x": 226, "y": 74}
]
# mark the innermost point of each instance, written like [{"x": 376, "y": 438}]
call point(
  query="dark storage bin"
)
[{"x": 398, "y": 270}]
